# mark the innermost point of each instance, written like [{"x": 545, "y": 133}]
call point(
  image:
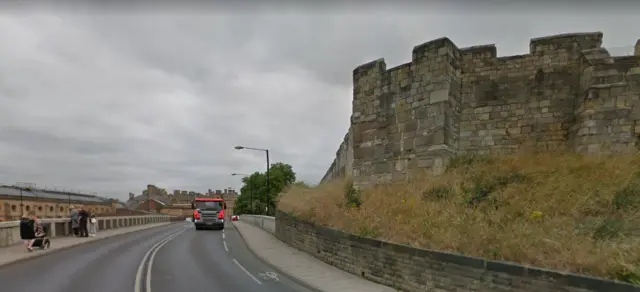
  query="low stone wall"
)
[
  {"x": 10, "y": 231},
  {"x": 268, "y": 223},
  {"x": 412, "y": 269}
]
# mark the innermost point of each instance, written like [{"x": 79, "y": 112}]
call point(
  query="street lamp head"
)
[
  {"x": 234, "y": 174},
  {"x": 239, "y": 147}
]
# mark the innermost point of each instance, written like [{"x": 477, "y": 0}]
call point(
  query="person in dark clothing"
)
[
  {"x": 75, "y": 225},
  {"x": 84, "y": 220},
  {"x": 27, "y": 231}
]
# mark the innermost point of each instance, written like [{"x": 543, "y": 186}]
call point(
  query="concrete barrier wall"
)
[
  {"x": 413, "y": 269},
  {"x": 267, "y": 223},
  {"x": 10, "y": 231}
]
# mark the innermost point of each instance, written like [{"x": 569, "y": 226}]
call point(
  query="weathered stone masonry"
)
[
  {"x": 567, "y": 92},
  {"x": 342, "y": 165},
  {"x": 412, "y": 269}
]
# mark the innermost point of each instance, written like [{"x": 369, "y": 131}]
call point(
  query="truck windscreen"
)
[{"x": 209, "y": 206}]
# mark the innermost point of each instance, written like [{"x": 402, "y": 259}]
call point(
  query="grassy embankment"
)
[{"x": 555, "y": 210}]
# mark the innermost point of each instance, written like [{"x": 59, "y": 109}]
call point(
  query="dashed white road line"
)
[
  {"x": 225, "y": 246},
  {"x": 246, "y": 272},
  {"x": 223, "y": 235}
]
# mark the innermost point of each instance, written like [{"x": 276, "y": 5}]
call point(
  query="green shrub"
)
[
  {"x": 483, "y": 187},
  {"x": 370, "y": 232},
  {"x": 439, "y": 192},
  {"x": 609, "y": 228},
  {"x": 629, "y": 275},
  {"x": 627, "y": 198},
  {"x": 464, "y": 161},
  {"x": 352, "y": 196}
]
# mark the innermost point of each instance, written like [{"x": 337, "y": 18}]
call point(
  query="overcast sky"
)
[{"x": 106, "y": 101}]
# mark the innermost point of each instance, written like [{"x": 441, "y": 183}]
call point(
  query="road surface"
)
[{"x": 172, "y": 258}]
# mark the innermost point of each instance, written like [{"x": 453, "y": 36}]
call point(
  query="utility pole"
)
[
  {"x": 268, "y": 166},
  {"x": 268, "y": 183},
  {"x": 21, "y": 204},
  {"x": 21, "y": 186},
  {"x": 250, "y": 188}
]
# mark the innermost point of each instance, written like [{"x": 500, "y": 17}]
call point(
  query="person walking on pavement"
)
[
  {"x": 75, "y": 224},
  {"x": 27, "y": 231},
  {"x": 83, "y": 220},
  {"x": 93, "y": 225}
]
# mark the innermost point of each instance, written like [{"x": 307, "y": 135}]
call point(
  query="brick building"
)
[{"x": 14, "y": 201}]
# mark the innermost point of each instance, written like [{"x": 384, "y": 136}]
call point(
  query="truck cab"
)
[{"x": 208, "y": 213}]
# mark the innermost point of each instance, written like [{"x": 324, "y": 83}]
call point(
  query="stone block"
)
[{"x": 439, "y": 96}]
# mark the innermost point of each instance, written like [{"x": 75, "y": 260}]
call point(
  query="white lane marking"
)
[
  {"x": 138, "y": 280},
  {"x": 225, "y": 246},
  {"x": 222, "y": 235},
  {"x": 153, "y": 256},
  {"x": 247, "y": 272},
  {"x": 269, "y": 275}
]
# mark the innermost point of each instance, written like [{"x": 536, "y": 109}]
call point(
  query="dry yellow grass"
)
[{"x": 562, "y": 211}]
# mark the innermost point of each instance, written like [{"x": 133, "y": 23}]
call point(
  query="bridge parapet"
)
[{"x": 10, "y": 231}]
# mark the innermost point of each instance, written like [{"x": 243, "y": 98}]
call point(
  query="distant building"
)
[
  {"x": 15, "y": 201},
  {"x": 178, "y": 203}
]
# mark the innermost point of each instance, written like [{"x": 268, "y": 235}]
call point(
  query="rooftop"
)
[{"x": 49, "y": 194}]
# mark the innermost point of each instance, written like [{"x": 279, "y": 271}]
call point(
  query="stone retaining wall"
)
[{"x": 413, "y": 269}]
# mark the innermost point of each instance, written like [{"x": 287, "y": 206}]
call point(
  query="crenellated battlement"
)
[{"x": 567, "y": 92}]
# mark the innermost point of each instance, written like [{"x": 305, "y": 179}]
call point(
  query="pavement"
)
[
  {"x": 301, "y": 266},
  {"x": 170, "y": 258},
  {"x": 17, "y": 252}
]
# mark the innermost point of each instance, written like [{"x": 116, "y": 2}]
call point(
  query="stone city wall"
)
[
  {"x": 342, "y": 165},
  {"x": 567, "y": 92}
]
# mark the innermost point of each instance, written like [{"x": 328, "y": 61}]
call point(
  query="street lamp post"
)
[
  {"x": 21, "y": 186},
  {"x": 21, "y": 204},
  {"x": 250, "y": 182},
  {"x": 268, "y": 166}
]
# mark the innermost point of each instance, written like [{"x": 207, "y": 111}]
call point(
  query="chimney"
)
[
  {"x": 114, "y": 205},
  {"x": 131, "y": 195}
]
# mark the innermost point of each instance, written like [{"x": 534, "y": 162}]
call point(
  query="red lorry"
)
[{"x": 208, "y": 213}]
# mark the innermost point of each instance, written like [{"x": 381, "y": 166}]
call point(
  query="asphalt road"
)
[{"x": 191, "y": 260}]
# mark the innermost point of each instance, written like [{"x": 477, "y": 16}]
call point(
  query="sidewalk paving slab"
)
[
  {"x": 16, "y": 253},
  {"x": 302, "y": 266}
]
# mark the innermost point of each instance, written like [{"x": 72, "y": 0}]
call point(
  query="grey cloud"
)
[
  {"x": 41, "y": 142},
  {"x": 110, "y": 102}
]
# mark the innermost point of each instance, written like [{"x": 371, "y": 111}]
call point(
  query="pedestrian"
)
[
  {"x": 37, "y": 225},
  {"x": 75, "y": 224},
  {"x": 93, "y": 225},
  {"x": 28, "y": 231},
  {"x": 83, "y": 220}
]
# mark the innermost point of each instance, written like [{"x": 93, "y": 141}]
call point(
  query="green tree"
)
[{"x": 254, "y": 189}]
